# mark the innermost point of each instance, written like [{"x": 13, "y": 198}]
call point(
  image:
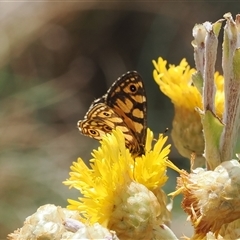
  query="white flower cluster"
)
[{"x": 55, "y": 223}]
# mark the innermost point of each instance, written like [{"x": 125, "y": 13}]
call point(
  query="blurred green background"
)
[{"x": 55, "y": 59}]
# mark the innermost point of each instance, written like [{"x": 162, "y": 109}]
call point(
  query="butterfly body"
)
[{"x": 123, "y": 106}]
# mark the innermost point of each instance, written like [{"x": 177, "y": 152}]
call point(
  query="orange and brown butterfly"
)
[{"x": 124, "y": 106}]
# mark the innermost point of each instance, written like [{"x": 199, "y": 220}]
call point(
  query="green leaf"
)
[
  {"x": 212, "y": 127},
  {"x": 198, "y": 81}
]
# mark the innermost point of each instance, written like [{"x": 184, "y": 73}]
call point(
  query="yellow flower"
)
[
  {"x": 219, "y": 97},
  {"x": 176, "y": 83},
  {"x": 110, "y": 170},
  {"x": 117, "y": 187},
  {"x": 150, "y": 169}
]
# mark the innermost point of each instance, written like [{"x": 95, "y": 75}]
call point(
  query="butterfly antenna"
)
[{"x": 166, "y": 130}]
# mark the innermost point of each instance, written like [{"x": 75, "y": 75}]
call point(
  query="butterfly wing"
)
[
  {"x": 96, "y": 121},
  {"x": 128, "y": 98},
  {"x": 101, "y": 119},
  {"x": 124, "y": 106}
]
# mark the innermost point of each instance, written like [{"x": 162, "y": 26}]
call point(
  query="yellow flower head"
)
[
  {"x": 110, "y": 170},
  {"x": 176, "y": 83},
  {"x": 150, "y": 169},
  {"x": 115, "y": 178}
]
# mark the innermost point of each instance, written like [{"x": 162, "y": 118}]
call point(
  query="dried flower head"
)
[
  {"x": 52, "y": 222},
  {"x": 211, "y": 198}
]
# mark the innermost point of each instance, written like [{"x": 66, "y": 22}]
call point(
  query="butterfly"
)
[{"x": 124, "y": 106}]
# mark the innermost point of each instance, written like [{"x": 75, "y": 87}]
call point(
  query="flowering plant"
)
[
  {"x": 121, "y": 197},
  {"x": 205, "y": 129}
]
